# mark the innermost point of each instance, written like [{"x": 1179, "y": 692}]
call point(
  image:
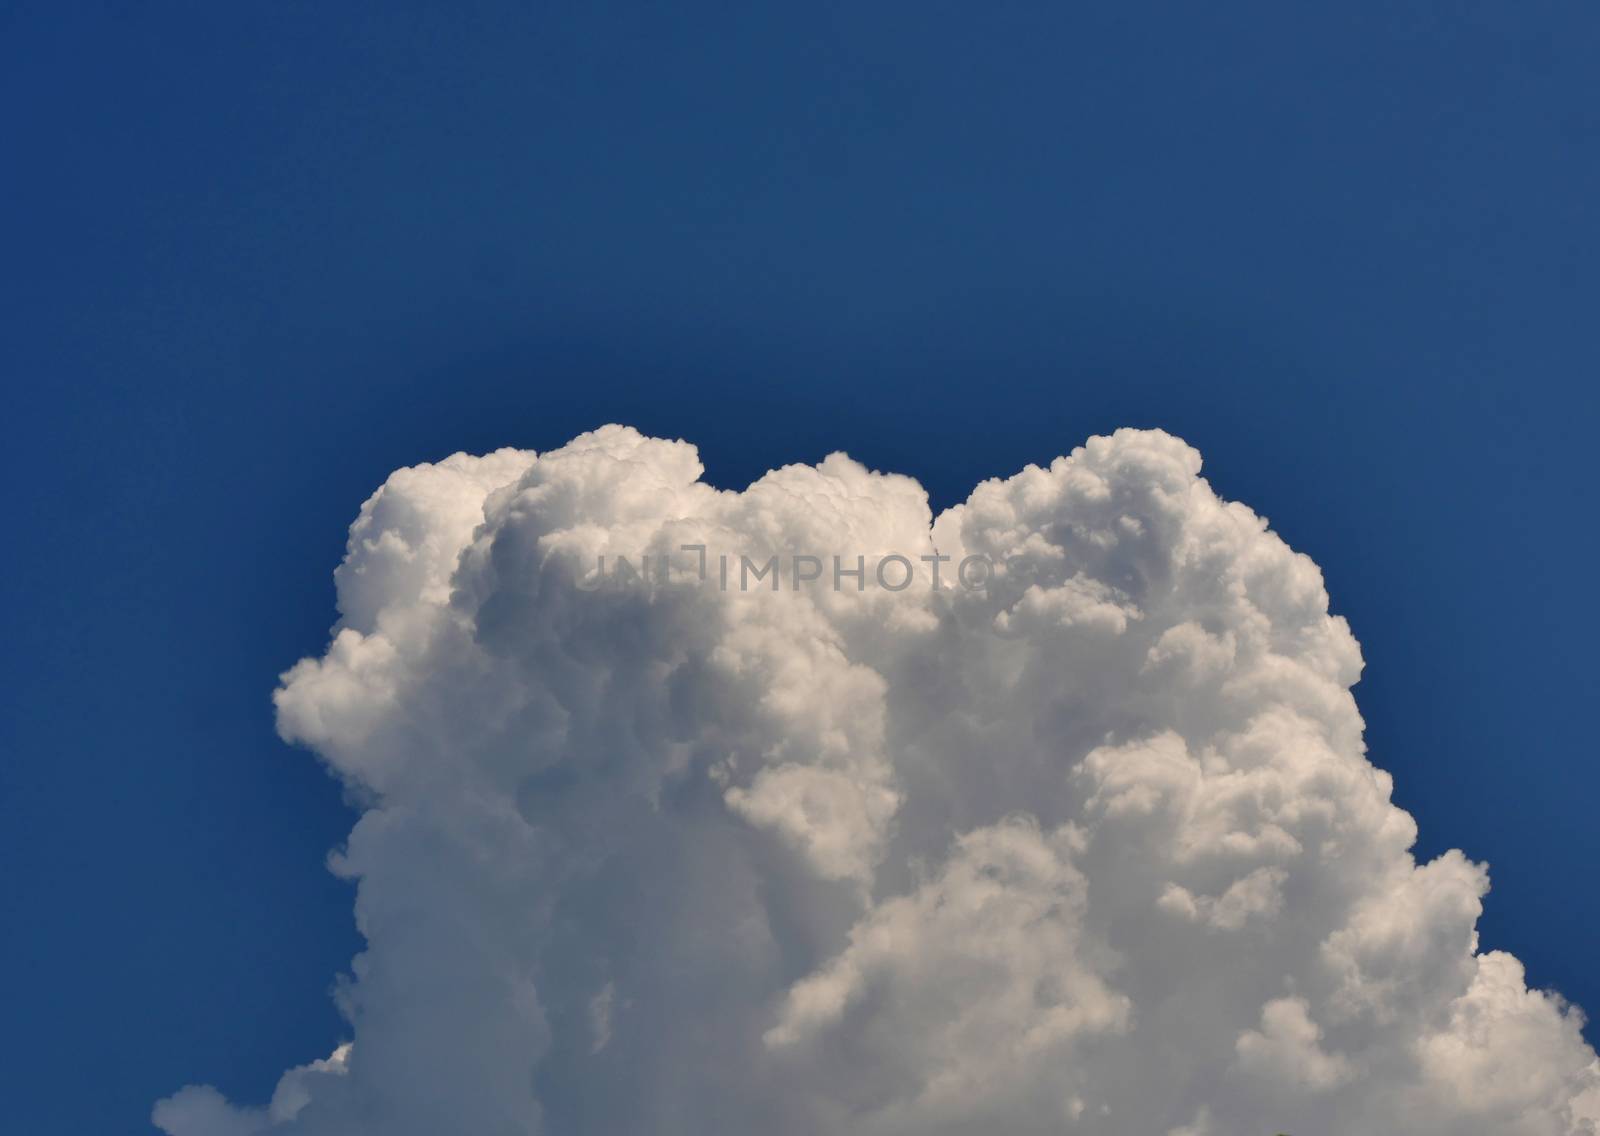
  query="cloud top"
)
[{"x": 1093, "y": 848}]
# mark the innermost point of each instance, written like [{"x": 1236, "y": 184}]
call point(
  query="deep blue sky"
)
[{"x": 256, "y": 256}]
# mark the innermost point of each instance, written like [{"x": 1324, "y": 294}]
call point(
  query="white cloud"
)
[{"x": 1092, "y": 849}]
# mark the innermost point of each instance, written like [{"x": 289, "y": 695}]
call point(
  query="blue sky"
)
[{"x": 257, "y": 258}]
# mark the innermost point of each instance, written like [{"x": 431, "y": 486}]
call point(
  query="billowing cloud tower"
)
[{"x": 1081, "y": 839}]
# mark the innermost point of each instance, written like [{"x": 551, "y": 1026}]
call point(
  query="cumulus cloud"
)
[{"x": 1091, "y": 847}]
